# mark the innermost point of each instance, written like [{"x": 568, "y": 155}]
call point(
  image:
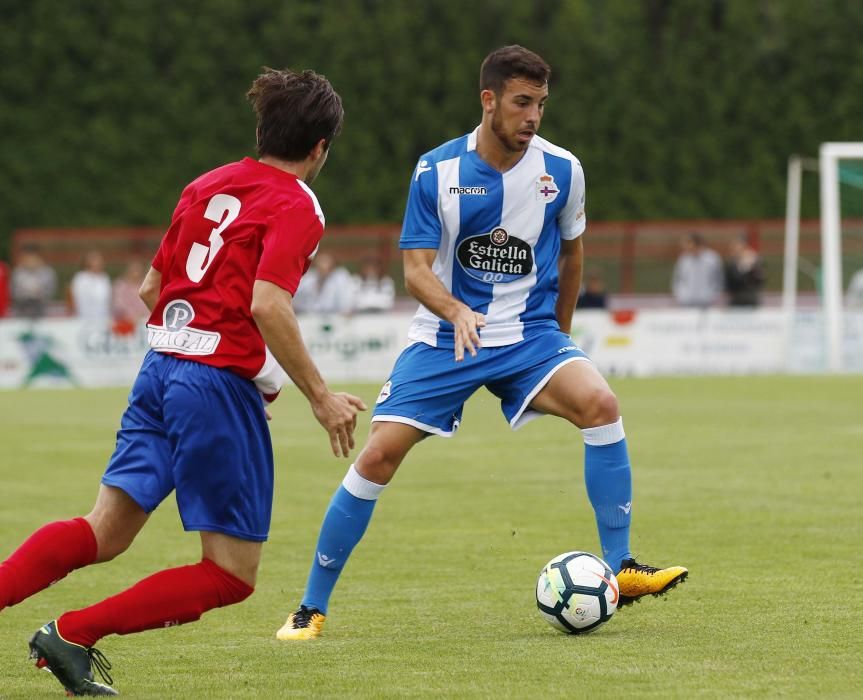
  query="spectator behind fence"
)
[
  {"x": 744, "y": 274},
  {"x": 854, "y": 295},
  {"x": 326, "y": 288},
  {"x": 697, "y": 280},
  {"x": 91, "y": 289},
  {"x": 593, "y": 295},
  {"x": 375, "y": 291},
  {"x": 129, "y": 310},
  {"x": 33, "y": 283}
]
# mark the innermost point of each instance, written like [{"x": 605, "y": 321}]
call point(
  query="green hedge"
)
[{"x": 677, "y": 108}]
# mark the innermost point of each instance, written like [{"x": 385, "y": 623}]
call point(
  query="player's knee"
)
[
  {"x": 377, "y": 464},
  {"x": 232, "y": 585},
  {"x": 609, "y": 409},
  {"x": 109, "y": 549},
  {"x": 111, "y": 542},
  {"x": 602, "y": 409},
  {"x": 116, "y": 520}
]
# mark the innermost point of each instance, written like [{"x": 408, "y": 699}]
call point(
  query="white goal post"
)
[{"x": 831, "y": 250}]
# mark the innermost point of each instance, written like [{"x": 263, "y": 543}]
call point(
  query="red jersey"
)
[{"x": 242, "y": 222}]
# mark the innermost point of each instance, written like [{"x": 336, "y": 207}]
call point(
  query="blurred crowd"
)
[
  {"x": 30, "y": 290},
  {"x": 701, "y": 278},
  {"x": 329, "y": 288}
]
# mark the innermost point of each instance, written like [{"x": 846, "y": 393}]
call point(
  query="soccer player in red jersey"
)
[{"x": 223, "y": 336}]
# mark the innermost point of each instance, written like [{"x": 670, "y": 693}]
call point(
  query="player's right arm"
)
[
  {"x": 422, "y": 283},
  {"x": 421, "y": 236},
  {"x": 274, "y": 315}
]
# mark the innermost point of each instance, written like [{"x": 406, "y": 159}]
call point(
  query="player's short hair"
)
[
  {"x": 295, "y": 111},
  {"x": 512, "y": 62}
]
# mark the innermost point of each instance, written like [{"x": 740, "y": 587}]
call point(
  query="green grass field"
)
[{"x": 755, "y": 484}]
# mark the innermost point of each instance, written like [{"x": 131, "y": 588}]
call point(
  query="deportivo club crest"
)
[{"x": 546, "y": 189}]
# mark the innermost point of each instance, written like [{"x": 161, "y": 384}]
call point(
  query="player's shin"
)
[
  {"x": 345, "y": 522},
  {"x": 608, "y": 478},
  {"x": 45, "y": 557}
]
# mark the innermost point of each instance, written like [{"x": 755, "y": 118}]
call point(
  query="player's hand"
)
[
  {"x": 337, "y": 413},
  {"x": 268, "y": 399},
  {"x": 466, "y": 324}
]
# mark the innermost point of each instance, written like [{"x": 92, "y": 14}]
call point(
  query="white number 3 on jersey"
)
[{"x": 222, "y": 209}]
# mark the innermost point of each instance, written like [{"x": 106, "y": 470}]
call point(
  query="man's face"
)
[
  {"x": 94, "y": 261},
  {"x": 687, "y": 245},
  {"x": 518, "y": 112},
  {"x": 29, "y": 260},
  {"x": 324, "y": 264}
]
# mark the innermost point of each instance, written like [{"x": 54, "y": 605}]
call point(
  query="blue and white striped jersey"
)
[{"x": 497, "y": 235}]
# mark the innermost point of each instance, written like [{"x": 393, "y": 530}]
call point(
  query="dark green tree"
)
[{"x": 677, "y": 108}]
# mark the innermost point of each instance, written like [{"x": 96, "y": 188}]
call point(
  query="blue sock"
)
[
  {"x": 608, "y": 478},
  {"x": 345, "y": 522}
]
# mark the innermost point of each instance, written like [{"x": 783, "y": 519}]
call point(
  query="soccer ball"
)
[{"x": 577, "y": 592}]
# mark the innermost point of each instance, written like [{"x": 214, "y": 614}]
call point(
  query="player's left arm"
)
[
  {"x": 291, "y": 240},
  {"x": 570, "y": 265},
  {"x": 150, "y": 287},
  {"x": 572, "y": 222}
]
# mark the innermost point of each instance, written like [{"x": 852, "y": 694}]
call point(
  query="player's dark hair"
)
[
  {"x": 512, "y": 62},
  {"x": 295, "y": 111}
]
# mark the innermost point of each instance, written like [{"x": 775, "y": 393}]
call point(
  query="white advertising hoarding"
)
[{"x": 57, "y": 352}]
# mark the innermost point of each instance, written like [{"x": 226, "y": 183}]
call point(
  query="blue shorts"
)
[
  {"x": 202, "y": 431},
  {"x": 428, "y": 388}
]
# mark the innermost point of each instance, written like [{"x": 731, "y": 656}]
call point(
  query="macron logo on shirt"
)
[
  {"x": 468, "y": 190},
  {"x": 423, "y": 167}
]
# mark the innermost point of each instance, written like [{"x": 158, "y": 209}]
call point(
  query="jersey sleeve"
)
[
  {"x": 421, "y": 227},
  {"x": 289, "y": 245},
  {"x": 572, "y": 219}
]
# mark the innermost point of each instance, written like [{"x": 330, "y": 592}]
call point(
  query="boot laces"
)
[
  {"x": 303, "y": 616},
  {"x": 633, "y": 565},
  {"x": 101, "y": 664}
]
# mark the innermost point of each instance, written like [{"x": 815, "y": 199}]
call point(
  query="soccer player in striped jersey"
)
[
  {"x": 222, "y": 334},
  {"x": 492, "y": 245}
]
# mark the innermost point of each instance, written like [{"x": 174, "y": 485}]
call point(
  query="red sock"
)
[
  {"x": 45, "y": 557},
  {"x": 168, "y": 598}
]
